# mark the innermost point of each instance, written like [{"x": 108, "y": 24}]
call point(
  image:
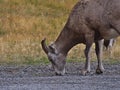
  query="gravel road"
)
[{"x": 40, "y": 77}]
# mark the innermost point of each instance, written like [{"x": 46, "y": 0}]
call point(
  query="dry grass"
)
[{"x": 24, "y": 23}]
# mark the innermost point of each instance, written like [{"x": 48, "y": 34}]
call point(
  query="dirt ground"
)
[{"x": 41, "y": 77}]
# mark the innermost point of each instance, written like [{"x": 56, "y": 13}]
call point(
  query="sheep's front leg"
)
[
  {"x": 87, "y": 63},
  {"x": 99, "y": 51},
  {"x": 89, "y": 40}
]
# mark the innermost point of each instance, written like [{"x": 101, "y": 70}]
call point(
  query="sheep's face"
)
[{"x": 57, "y": 59}]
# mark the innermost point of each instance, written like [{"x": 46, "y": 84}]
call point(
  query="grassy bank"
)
[{"x": 24, "y": 23}]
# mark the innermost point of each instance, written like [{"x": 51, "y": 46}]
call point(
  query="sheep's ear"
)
[{"x": 52, "y": 49}]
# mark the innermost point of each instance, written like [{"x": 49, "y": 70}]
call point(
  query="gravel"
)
[{"x": 41, "y": 77}]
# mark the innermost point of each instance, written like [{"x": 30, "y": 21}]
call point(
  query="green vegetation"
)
[{"x": 24, "y": 23}]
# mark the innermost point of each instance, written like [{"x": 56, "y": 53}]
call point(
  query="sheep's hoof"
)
[
  {"x": 99, "y": 71},
  {"x": 84, "y": 72}
]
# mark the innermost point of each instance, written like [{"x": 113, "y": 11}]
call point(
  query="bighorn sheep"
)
[
  {"x": 90, "y": 21},
  {"x": 108, "y": 45}
]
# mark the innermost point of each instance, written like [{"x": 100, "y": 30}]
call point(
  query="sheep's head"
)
[{"x": 57, "y": 59}]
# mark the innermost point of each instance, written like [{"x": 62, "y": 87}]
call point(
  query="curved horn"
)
[{"x": 44, "y": 46}]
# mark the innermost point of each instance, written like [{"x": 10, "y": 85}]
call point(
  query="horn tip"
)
[{"x": 43, "y": 40}]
